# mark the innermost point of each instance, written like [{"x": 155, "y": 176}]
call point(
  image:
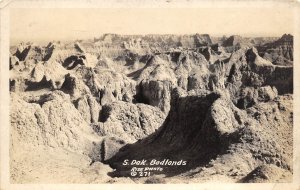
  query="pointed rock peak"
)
[
  {"x": 251, "y": 54},
  {"x": 233, "y": 40},
  {"x": 22, "y": 51},
  {"x": 286, "y": 38},
  {"x": 51, "y": 45},
  {"x": 202, "y": 39},
  {"x": 79, "y": 48}
]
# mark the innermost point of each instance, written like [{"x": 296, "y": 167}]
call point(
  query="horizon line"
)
[{"x": 155, "y": 34}]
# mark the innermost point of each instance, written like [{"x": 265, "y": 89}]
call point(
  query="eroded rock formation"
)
[{"x": 223, "y": 106}]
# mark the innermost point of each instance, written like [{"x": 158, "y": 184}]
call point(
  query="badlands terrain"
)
[{"x": 201, "y": 108}]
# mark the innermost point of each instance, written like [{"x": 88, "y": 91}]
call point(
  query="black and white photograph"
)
[{"x": 150, "y": 95}]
